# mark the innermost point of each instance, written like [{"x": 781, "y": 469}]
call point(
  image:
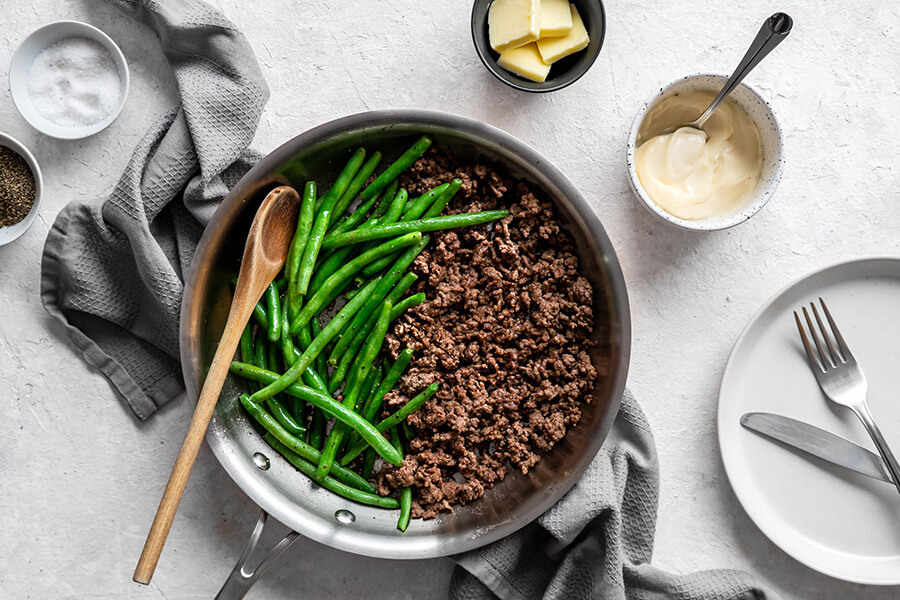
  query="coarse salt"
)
[{"x": 75, "y": 82}]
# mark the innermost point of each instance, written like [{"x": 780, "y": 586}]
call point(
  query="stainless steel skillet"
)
[{"x": 295, "y": 500}]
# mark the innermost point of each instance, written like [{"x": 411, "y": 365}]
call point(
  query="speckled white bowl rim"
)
[
  {"x": 14, "y": 232},
  {"x": 763, "y": 191},
  {"x": 18, "y": 79}
]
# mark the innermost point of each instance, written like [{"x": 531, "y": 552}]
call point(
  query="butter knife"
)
[{"x": 818, "y": 442}]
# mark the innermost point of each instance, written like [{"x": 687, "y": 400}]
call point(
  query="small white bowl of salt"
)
[{"x": 69, "y": 80}]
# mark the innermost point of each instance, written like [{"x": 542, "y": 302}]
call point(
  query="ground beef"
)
[{"x": 506, "y": 331}]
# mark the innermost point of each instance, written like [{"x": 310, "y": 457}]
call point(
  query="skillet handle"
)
[{"x": 242, "y": 578}]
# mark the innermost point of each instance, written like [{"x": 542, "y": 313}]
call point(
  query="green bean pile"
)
[{"x": 295, "y": 364}]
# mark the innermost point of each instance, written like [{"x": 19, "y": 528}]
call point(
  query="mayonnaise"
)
[{"x": 695, "y": 174}]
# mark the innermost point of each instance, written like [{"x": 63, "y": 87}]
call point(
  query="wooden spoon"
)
[{"x": 264, "y": 255}]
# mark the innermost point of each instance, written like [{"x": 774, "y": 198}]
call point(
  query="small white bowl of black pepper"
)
[{"x": 21, "y": 185}]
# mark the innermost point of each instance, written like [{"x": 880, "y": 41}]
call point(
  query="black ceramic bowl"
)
[{"x": 563, "y": 72}]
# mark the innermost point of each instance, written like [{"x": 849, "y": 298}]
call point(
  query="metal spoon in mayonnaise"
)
[{"x": 696, "y": 174}]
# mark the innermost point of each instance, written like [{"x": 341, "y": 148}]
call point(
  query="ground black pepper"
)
[{"x": 17, "y": 188}]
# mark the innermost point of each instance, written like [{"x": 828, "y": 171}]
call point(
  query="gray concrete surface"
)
[{"x": 80, "y": 478}]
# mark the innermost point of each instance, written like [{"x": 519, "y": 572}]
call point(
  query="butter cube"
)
[
  {"x": 513, "y": 23},
  {"x": 553, "y": 49},
  {"x": 556, "y": 18},
  {"x": 525, "y": 61}
]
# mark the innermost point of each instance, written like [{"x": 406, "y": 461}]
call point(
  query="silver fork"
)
[{"x": 841, "y": 378}]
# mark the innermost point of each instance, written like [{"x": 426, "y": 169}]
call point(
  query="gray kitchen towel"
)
[
  {"x": 596, "y": 543},
  {"x": 113, "y": 267}
]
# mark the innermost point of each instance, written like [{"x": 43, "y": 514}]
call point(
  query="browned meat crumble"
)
[{"x": 506, "y": 330}]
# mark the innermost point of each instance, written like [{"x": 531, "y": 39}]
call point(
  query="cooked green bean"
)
[
  {"x": 395, "y": 419},
  {"x": 247, "y": 343},
  {"x": 405, "y": 508},
  {"x": 290, "y": 356},
  {"x": 343, "y": 180},
  {"x": 284, "y": 417},
  {"x": 395, "y": 439},
  {"x": 367, "y": 386},
  {"x": 379, "y": 265},
  {"x": 259, "y": 357},
  {"x": 298, "y": 411},
  {"x": 352, "y": 377},
  {"x": 408, "y": 432},
  {"x": 367, "y": 313},
  {"x": 287, "y": 342},
  {"x": 273, "y": 312},
  {"x": 276, "y": 404},
  {"x": 332, "y": 408},
  {"x": 368, "y": 356},
  {"x": 318, "y": 344},
  {"x": 272, "y": 362},
  {"x": 311, "y": 253},
  {"x": 407, "y": 303},
  {"x": 385, "y": 202},
  {"x": 335, "y": 284},
  {"x": 297, "y": 445},
  {"x": 405, "y": 492},
  {"x": 331, "y": 484},
  {"x": 305, "y": 338},
  {"x": 298, "y": 244},
  {"x": 377, "y": 377},
  {"x": 395, "y": 210},
  {"x": 417, "y": 207},
  {"x": 359, "y": 180},
  {"x": 408, "y": 408},
  {"x": 399, "y": 165},
  {"x": 365, "y": 364},
  {"x": 336, "y": 240},
  {"x": 259, "y": 352},
  {"x": 313, "y": 379},
  {"x": 438, "y": 207},
  {"x": 317, "y": 430},
  {"x": 289, "y": 419},
  {"x": 316, "y": 328},
  {"x": 259, "y": 313},
  {"x": 372, "y": 407}
]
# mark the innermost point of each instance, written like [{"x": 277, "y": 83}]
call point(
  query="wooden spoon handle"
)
[{"x": 209, "y": 395}]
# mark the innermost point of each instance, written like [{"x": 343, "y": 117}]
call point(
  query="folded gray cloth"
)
[
  {"x": 113, "y": 267},
  {"x": 597, "y": 541}
]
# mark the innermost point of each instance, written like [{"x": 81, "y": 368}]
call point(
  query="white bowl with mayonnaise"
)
[{"x": 708, "y": 180}]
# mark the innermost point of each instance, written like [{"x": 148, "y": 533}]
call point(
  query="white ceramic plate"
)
[{"x": 835, "y": 521}]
